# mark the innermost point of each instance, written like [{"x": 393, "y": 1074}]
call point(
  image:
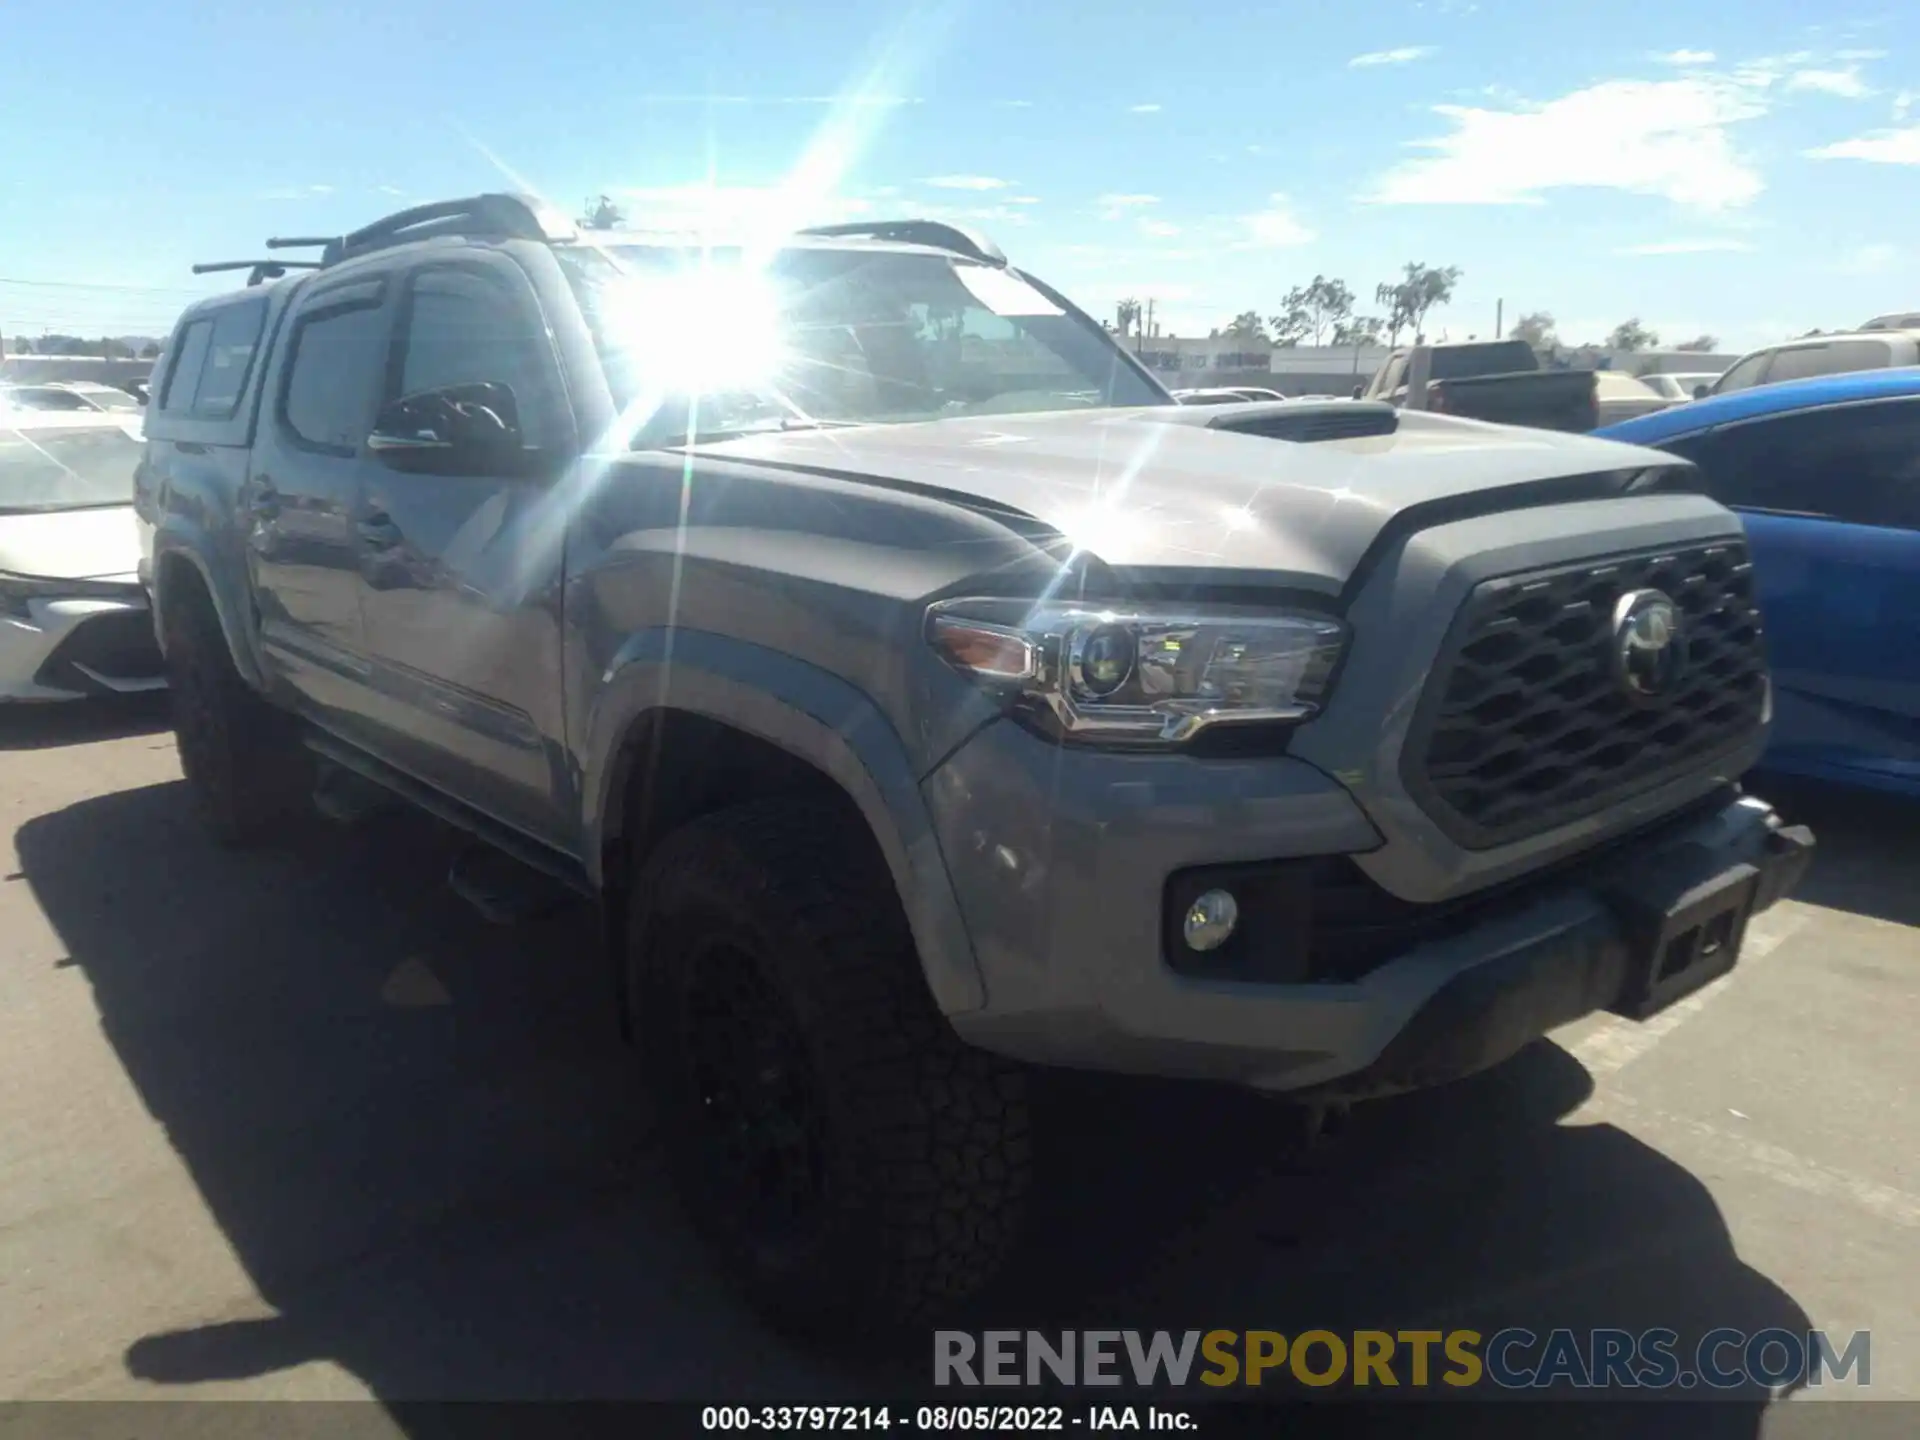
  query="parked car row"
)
[{"x": 69, "y": 397}]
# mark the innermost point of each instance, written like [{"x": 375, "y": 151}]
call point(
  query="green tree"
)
[
  {"x": 1127, "y": 313},
  {"x": 1314, "y": 311},
  {"x": 1632, "y": 336},
  {"x": 1420, "y": 289},
  {"x": 1536, "y": 329},
  {"x": 1247, "y": 325},
  {"x": 1359, "y": 330}
]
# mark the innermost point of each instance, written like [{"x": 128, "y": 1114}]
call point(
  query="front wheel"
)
[
  {"x": 244, "y": 764},
  {"x": 849, "y": 1160}
]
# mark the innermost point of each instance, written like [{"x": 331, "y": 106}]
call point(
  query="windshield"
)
[
  {"x": 66, "y": 470},
  {"x": 698, "y": 341}
]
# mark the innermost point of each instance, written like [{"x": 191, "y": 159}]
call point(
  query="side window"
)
[
  {"x": 1743, "y": 376},
  {"x": 1859, "y": 464},
  {"x": 183, "y": 376},
  {"x": 1803, "y": 362},
  {"x": 229, "y": 356},
  {"x": 464, "y": 328},
  {"x": 336, "y": 355}
]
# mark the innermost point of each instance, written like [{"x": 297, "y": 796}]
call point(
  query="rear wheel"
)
[
  {"x": 244, "y": 764},
  {"x": 848, "y": 1159}
]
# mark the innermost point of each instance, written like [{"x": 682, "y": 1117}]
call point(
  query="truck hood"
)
[
  {"x": 1165, "y": 487},
  {"x": 71, "y": 544}
]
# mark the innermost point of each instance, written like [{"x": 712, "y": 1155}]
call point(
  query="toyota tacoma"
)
[{"x": 922, "y": 696}]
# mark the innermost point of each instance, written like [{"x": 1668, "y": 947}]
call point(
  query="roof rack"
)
[
  {"x": 934, "y": 233},
  {"x": 498, "y": 216},
  {"x": 259, "y": 271}
]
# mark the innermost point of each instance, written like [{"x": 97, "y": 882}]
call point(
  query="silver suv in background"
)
[{"x": 1817, "y": 355}]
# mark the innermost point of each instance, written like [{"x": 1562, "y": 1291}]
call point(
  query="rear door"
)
[
  {"x": 1831, "y": 503},
  {"x": 460, "y": 575}
]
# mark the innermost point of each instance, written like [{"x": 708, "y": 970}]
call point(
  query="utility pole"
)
[
  {"x": 1499, "y": 319},
  {"x": 1146, "y": 324}
]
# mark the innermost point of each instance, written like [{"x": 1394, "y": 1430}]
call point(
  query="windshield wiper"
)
[{"x": 769, "y": 426}]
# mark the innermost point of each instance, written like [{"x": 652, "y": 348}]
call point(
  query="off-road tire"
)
[
  {"x": 922, "y": 1141},
  {"x": 246, "y": 769}
]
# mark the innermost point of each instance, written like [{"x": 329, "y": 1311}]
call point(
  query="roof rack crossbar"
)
[
  {"x": 937, "y": 234},
  {"x": 301, "y": 242},
  {"x": 508, "y": 216},
  {"x": 258, "y": 271}
]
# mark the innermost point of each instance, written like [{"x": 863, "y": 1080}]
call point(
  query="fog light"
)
[{"x": 1210, "y": 920}]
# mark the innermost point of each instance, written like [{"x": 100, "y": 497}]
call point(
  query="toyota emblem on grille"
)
[{"x": 1649, "y": 643}]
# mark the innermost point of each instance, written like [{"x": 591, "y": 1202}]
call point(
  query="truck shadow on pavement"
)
[
  {"x": 1864, "y": 837},
  {"x": 49, "y": 726},
  {"x": 419, "y": 1135}
]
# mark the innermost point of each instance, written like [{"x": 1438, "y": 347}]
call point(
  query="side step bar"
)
[{"x": 507, "y": 877}]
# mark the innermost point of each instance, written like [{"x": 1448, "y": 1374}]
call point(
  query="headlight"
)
[{"x": 1142, "y": 674}]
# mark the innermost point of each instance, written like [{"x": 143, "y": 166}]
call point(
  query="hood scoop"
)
[{"x": 1309, "y": 423}]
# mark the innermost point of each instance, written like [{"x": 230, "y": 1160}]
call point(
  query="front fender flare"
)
[
  {"x": 814, "y": 716},
  {"x": 231, "y": 599}
]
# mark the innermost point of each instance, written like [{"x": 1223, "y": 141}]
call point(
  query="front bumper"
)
[
  {"x": 1062, "y": 861},
  {"x": 72, "y": 648}
]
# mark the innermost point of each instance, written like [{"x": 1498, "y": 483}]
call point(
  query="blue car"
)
[{"x": 1825, "y": 474}]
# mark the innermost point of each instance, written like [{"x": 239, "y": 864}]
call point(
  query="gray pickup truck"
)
[
  {"x": 1500, "y": 381},
  {"x": 921, "y": 695}
]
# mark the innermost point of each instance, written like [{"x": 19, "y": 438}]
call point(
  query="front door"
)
[
  {"x": 461, "y": 558},
  {"x": 301, "y": 492}
]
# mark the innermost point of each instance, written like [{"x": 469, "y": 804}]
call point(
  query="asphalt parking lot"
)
[{"x": 300, "y": 1125}]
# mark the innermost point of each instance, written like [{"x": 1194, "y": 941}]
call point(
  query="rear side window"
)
[
  {"x": 183, "y": 376},
  {"x": 1744, "y": 375},
  {"x": 229, "y": 358},
  {"x": 1803, "y": 362},
  {"x": 337, "y": 360},
  {"x": 1859, "y": 464}
]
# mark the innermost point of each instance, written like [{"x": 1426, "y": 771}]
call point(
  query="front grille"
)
[
  {"x": 1525, "y": 725},
  {"x": 119, "y": 644}
]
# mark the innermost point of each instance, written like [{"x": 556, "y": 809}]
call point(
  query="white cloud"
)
[
  {"x": 1846, "y": 83},
  {"x": 1884, "y": 147},
  {"x": 391, "y": 190},
  {"x": 966, "y": 182},
  {"x": 1859, "y": 54},
  {"x": 1158, "y": 229},
  {"x": 1668, "y": 137},
  {"x": 1406, "y": 54},
  {"x": 1703, "y": 246},
  {"x": 1686, "y": 57},
  {"x": 1149, "y": 109},
  {"x": 1023, "y": 199},
  {"x": 1276, "y": 225},
  {"x": 1902, "y": 103}
]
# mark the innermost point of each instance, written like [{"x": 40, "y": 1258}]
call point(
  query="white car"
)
[
  {"x": 74, "y": 619},
  {"x": 1680, "y": 387},
  {"x": 67, "y": 397}
]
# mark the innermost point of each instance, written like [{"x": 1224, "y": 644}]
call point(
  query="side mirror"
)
[
  {"x": 458, "y": 430},
  {"x": 1700, "y": 392}
]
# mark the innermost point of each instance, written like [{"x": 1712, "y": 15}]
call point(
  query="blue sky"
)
[{"x": 1737, "y": 171}]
